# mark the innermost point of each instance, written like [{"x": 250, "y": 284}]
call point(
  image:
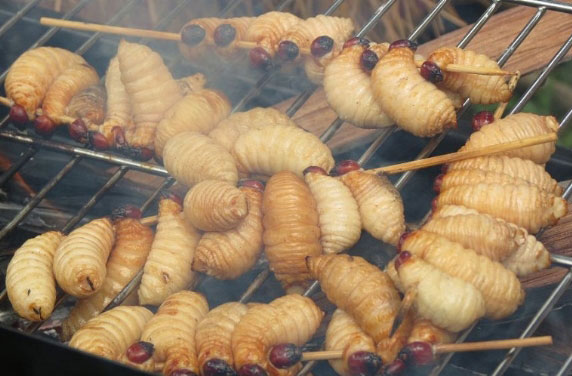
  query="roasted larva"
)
[
  {"x": 291, "y": 231},
  {"x": 516, "y": 127},
  {"x": 523, "y": 205},
  {"x": 30, "y": 281},
  {"x": 214, "y": 337},
  {"x": 132, "y": 245},
  {"x": 273, "y": 149},
  {"x": 360, "y": 289},
  {"x": 447, "y": 301},
  {"x": 192, "y": 157},
  {"x": 500, "y": 288},
  {"x": 228, "y": 34},
  {"x": 425, "y": 331},
  {"x": 288, "y": 319},
  {"x": 168, "y": 266},
  {"x": 151, "y": 89},
  {"x": 229, "y": 254},
  {"x": 80, "y": 260},
  {"x": 214, "y": 205},
  {"x": 339, "y": 217},
  {"x": 88, "y": 105},
  {"x": 405, "y": 96},
  {"x": 474, "y": 176},
  {"x": 480, "y": 89},
  {"x": 197, "y": 38},
  {"x": 198, "y": 112},
  {"x": 268, "y": 28},
  {"x": 109, "y": 334}
]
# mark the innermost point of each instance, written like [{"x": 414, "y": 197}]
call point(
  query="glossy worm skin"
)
[
  {"x": 88, "y": 105},
  {"x": 447, "y": 301},
  {"x": 109, "y": 334},
  {"x": 476, "y": 176},
  {"x": 415, "y": 104},
  {"x": 339, "y": 217},
  {"x": 273, "y": 149},
  {"x": 291, "y": 230},
  {"x": 360, "y": 289},
  {"x": 481, "y": 89},
  {"x": 192, "y": 157},
  {"x": 425, "y": 331},
  {"x": 168, "y": 266},
  {"x": 80, "y": 260},
  {"x": 229, "y": 254},
  {"x": 132, "y": 246},
  {"x": 214, "y": 333},
  {"x": 345, "y": 78},
  {"x": 33, "y": 72},
  {"x": 523, "y": 205},
  {"x": 377, "y": 198},
  {"x": 198, "y": 111},
  {"x": 269, "y": 27},
  {"x": 517, "y": 127},
  {"x": 151, "y": 89},
  {"x": 515, "y": 167},
  {"x": 68, "y": 83},
  {"x": 228, "y": 130},
  {"x": 288, "y": 319},
  {"x": 344, "y": 334},
  {"x": 30, "y": 281},
  {"x": 500, "y": 288},
  {"x": 214, "y": 205}
]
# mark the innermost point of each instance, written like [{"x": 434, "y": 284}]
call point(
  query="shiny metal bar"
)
[
  {"x": 379, "y": 12},
  {"x": 40, "y": 196},
  {"x": 16, "y": 166},
  {"x": 165, "y": 185},
  {"x": 427, "y": 20},
  {"x": 229, "y": 7},
  {"x": 17, "y": 16},
  {"x": 561, "y": 260},
  {"x": 566, "y": 367},
  {"x": 254, "y": 285},
  {"x": 551, "y": 5}
]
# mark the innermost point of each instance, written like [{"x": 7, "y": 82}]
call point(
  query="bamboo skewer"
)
[{"x": 6, "y": 102}]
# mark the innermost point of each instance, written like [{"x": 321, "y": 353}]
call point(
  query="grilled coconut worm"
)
[
  {"x": 132, "y": 246},
  {"x": 425, "y": 331},
  {"x": 345, "y": 78},
  {"x": 516, "y": 127},
  {"x": 273, "y": 149},
  {"x": 151, "y": 89},
  {"x": 214, "y": 205},
  {"x": 30, "y": 281},
  {"x": 228, "y": 130},
  {"x": 475, "y": 176},
  {"x": 376, "y": 198},
  {"x": 515, "y": 167},
  {"x": 80, "y": 260},
  {"x": 171, "y": 332},
  {"x": 110, "y": 333},
  {"x": 197, "y": 38},
  {"x": 499, "y": 287},
  {"x": 31, "y": 75},
  {"x": 291, "y": 230},
  {"x": 88, "y": 108},
  {"x": 192, "y": 157},
  {"x": 229, "y": 254},
  {"x": 339, "y": 217},
  {"x": 228, "y": 34},
  {"x": 288, "y": 319},
  {"x": 214, "y": 338},
  {"x": 524, "y": 205},
  {"x": 198, "y": 111},
  {"x": 448, "y": 302},
  {"x": 415, "y": 105},
  {"x": 480, "y": 89},
  {"x": 168, "y": 266}
]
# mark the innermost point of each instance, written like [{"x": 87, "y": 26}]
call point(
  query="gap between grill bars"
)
[{"x": 125, "y": 164}]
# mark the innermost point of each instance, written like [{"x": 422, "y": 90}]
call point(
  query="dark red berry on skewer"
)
[
  {"x": 321, "y": 46},
  {"x": 260, "y": 59},
  {"x": 401, "y": 258},
  {"x": 356, "y": 40},
  {"x": 403, "y": 43},
  {"x": 78, "y": 131},
  {"x": 364, "y": 363},
  {"x": 431, "y": 72},
  {"x": 98, "y": 141},
  {"x": 417, "y": 354},
  {"x": 44, "y": 126},
  {"x": 368, "y": 60},
  {"x": 218, "y": 367},
  {"x": 347, "y": 166},
  {"x": 481, "y": 119},
  {"x": 288, "y": 50},
  {"x": 18, "y": 114},
  {"x": 285, "y": 355},
  {"x": 224, "y": 35},
  {"x": 140, "y": 351},
  {"x": 315, "y": 170},
  {"x": 192, "y": 35}
]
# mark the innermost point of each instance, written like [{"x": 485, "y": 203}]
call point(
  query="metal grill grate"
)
[{"x": 123, "y": 165}]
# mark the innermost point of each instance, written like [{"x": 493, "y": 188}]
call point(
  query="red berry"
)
[
  {"x": 260, "y": 59},
  {"x": 403, "y": 43},
  {"x": 18, "y": 114},
  {"x": 438, "y": 182},
  {"x": 98, "y": 141},
  {"x": 356, "y": 40},
  {"x": 217, "y": 367},
  {"x": 315, "y": 170},
  {"x": 285, "y": 355},
  {"x": 431, "y": 72},
  {"x": 126, "y": 211},
  {"x": 44, "y": 126},
  {"x": 255, "y": 184},
  {"x": 251, "y": 370},
  {"x": 140, "y": 351},
  {"x": 481, "y": 119},
  {"x": 417, "y": 353},
  {"x": 368, "y": 60},
  {"x": 78, "y": 131},
  {"x": 402, "y": 238},
  {"x": 224, "y": 35},
  {"x": 402, "y": 257},
  {"x": 288, "y": 50},
  {"x": 192, "y": 35},
  {"x": 394, "y": 368},
  {"x": 321, "y": 46},
  {"x": 346, "y": 166},
  {"x": 364, "y": 363}
]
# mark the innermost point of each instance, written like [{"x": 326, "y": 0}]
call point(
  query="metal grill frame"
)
[{"x": 125, "y": 164}]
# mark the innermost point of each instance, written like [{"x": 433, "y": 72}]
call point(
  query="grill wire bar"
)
[{"x": 17, "y": 17}]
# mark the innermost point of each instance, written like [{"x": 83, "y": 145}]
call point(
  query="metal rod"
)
[
  {"x": 254, "y": 285},
  {"x": 552, "y": 5},
  {"x": 229, "y": 7},
  {"x": 427, "y": 20},
  {"x": 25, "y": 157},
  {"x": 566, "y": 367},
  {"x": 39, "y": 197},
  {"x": 17, "y": 16},
  {"x": 562, "y": 260},
  {"x": 165, "y": 185}
]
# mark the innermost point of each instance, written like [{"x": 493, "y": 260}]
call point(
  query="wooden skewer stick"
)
[
  {"x": 149, "y": 221},
  {"x": 461, "y": 155},
  {"x": 6, "y": 102},
  {"x": 250, "y": 45},
  {"x": 458, "y": 68}
]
